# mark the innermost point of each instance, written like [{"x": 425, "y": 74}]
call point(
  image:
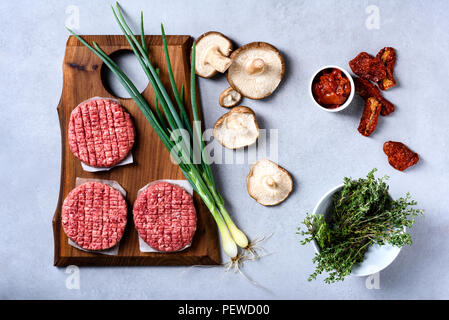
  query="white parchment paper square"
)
[{"x": 128, "y": 160}]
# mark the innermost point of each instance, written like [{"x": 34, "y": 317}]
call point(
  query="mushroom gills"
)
[
  {"x": 229, "y": 98},
  {"x": 238, "y": 123},
  {"x": 257, "y": 69},
  {"x": 268, "y": 183},
  {"x": 237, "y": 128}
]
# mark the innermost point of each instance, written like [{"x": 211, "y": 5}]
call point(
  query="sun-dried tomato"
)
[
  {"x": 366, "y": 90},
  {"x": 368, "y": 67},
  {"x": 388, "y": 56},
  {"x": 399, "y": 155},
  {"x": 370, "y": 116},
  {"x": 331, "y": 88}
]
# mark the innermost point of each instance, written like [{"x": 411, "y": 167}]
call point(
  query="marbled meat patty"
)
[
  {"x": 101, "y": 133},
  {"x": 165, "y": 217},
  {"x": 94, "y": 216}
]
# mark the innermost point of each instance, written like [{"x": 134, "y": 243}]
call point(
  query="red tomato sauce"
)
[{"x": 331, "y": 88}]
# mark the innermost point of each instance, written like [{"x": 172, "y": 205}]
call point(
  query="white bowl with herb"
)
[
  {"x": 358, "y": 229},
  {"x": 376, "y": 258}
]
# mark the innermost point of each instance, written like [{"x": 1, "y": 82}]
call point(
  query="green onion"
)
[{"x": 170, "y": 119}]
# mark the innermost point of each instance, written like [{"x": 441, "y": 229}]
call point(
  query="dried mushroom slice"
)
[
  {"x": 268, "y": 183},
  {"x": 212, "y": 54},
  {"x": 237, "y": 129},
  {"x": 257, "y": 69},
  {"x": 229, "y": 98}
]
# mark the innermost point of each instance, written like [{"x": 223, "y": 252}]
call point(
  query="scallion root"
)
[
  {"x": 236, "y": 265},
  {"x": 254, "y": 251}
]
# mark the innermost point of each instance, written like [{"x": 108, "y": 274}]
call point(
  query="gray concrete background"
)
[{"x": 318, "y": 148}]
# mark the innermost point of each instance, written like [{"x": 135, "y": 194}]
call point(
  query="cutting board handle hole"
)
[{"x": 126, "y": 60}]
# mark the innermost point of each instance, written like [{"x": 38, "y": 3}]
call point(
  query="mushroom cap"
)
[
  {"x": 205, "y": 42},
  {"x": 229, "y": 98},
  {"x": 268, "y": 183},
  {"x": 237, "y": 129},
  {"x": 267, "y": 70}
]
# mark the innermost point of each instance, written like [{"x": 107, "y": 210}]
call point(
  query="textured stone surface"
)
[{"x": 318, "y": 148}]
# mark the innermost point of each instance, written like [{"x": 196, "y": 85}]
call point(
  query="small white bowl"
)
[
  {"x": 351, "y": 94},
  {"x": 377, "y": 257}
]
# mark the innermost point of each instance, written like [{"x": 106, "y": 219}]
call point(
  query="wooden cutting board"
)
[{"x": 82, "y": 80}]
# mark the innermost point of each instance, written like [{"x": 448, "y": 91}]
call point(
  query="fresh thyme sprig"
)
[{"x": 364, "y": 214}]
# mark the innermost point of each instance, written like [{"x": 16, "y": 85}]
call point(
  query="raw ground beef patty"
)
[
  {"x": 101, "y": 133},
  {"x": 165, "y": 217},
  {"x": 94, "y": 216}
]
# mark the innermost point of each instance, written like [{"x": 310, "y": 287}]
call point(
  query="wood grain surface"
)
[{"x": 81, "y": 81}]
